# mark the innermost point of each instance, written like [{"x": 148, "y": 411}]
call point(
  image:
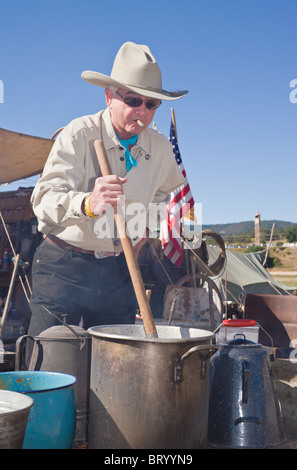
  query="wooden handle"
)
[
  {"x": 137, "y": 281},
  {"x": 9, "y": 294}
]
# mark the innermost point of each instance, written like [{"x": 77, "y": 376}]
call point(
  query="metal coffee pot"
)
[
  {"x": 243, "y": 407},
  {"x": 66, "y": 349}
]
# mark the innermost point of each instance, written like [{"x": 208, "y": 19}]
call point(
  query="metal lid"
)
[
  {"x": 60, "y": 332},
  {"x": 241, "y": 343}
]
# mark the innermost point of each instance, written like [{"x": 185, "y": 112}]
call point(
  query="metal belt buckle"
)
[{"x": 99, "y": 254}]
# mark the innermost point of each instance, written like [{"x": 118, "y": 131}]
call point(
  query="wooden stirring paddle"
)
[{"x": 137, "y": 281}]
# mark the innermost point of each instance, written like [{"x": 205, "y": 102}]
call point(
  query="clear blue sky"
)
[{"x": 237, "y": 126}]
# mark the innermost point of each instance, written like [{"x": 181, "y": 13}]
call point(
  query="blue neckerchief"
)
[{"x": 130, "y": 161}]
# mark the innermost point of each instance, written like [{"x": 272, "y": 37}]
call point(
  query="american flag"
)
[{"x": 181, "y": 202}]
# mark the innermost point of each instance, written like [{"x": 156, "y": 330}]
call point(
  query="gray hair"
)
[{"x": 113, "y": 89}]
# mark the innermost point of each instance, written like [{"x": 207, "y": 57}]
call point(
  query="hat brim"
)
[{"x": 99, "y": 79}]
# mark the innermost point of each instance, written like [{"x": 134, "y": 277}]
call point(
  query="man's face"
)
[{"x": 124, "y": 117}]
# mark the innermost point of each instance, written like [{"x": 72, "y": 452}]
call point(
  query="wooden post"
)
[{"x": 9, "y": 294}]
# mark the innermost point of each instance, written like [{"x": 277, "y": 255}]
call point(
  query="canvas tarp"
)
[
  {"x": 21, "y": 155},
  {"x": 244, "y": 274}
]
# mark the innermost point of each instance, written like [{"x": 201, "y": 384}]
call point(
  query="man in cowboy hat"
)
[{"x": 79, "y": 269}]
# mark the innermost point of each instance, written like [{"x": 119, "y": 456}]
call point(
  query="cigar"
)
[{"x": 140, "y": 123}]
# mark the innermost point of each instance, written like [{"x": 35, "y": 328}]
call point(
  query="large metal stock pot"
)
[{"x": 149, "y": 393}]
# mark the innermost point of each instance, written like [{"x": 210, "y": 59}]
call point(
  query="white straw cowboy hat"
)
[{"x": 134, "y": 69}]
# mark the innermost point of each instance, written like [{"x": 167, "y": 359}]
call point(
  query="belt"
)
[{"x": 66, "y": 246}]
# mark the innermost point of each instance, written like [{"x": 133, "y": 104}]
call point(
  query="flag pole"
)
[
  {"x": 173, "y": 121},
  {"x": 174, "y": 127}
]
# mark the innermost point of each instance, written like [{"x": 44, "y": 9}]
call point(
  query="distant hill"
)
[{"x": 244, "y": 227}]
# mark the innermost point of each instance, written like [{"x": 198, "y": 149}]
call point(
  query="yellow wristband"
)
[{"x": 87, "y": 207}]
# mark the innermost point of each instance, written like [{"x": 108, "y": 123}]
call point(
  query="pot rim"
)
[
  {"x": 25, "y": 375},
  {"x": 14, "y": 402},
  {"x": 103, "y": 332}
]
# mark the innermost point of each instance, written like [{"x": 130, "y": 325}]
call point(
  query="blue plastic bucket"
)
[{"x": 51, "y": 422}]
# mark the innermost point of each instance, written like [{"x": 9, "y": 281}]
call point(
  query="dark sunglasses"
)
[{"x": 135, "y": 102}]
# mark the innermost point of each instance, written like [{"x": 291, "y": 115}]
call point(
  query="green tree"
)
[
  {"x": 291, "y": 234},
  {"x": 265, "y": 235},
  {"x": 254, "y": 249}
]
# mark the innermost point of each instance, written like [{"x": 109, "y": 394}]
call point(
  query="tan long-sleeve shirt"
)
[{"x": 72, "y": 168}]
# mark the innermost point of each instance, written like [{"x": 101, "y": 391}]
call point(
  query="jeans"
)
[{"x": 89, "y": 291}]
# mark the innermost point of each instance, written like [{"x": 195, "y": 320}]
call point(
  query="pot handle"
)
[
  {"x": 178, "y": 369},
  {"x": 246, "y": 377},
  {"x": 19, "y": 350}
]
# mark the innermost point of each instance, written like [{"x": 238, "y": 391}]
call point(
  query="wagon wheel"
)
[
  {"x": 218, "y": 265},
  {"x": 188, "y": 278}
]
